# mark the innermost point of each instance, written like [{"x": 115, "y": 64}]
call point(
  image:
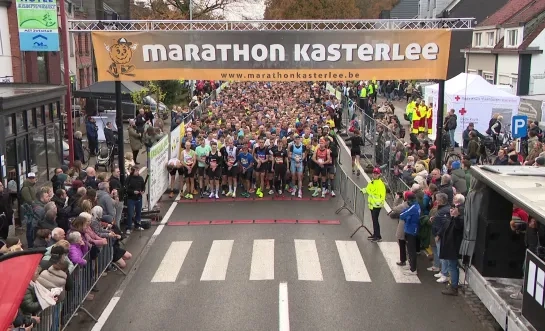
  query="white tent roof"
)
[{"x": 470, "y": 85}]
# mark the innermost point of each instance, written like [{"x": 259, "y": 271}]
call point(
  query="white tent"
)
[{"x": 474, "y": 100}]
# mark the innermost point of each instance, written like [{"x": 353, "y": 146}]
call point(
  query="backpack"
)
[{"x": 334, "y": 148}]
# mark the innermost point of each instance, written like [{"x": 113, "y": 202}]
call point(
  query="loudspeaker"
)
[{"x": 499, "y": 252}]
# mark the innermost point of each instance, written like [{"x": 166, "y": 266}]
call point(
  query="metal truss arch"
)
[{"x": 271, "y": 25}]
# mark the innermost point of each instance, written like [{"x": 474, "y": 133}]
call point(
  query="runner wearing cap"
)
[{"x": 376, "y": 196}]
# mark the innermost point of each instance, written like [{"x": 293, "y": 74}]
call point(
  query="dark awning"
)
[{"x": 106, "y": 90}]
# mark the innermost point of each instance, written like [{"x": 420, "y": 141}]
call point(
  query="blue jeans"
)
[
  {"x": 435, "y": 249},
  {"x": 452, "y": 141},
  {"x": 452, "y": 268},
  {"x": 134, "y": 212}
]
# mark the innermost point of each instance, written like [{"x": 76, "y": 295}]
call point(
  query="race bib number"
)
[
  {"x": 297, "y": 158},
  {"x": 262, "y": 157},
  {"x": 321, "y": 161},
  {"x": 213, "y": 164},
  {"x": 279, "y": 160},
  {"x": 230, "y": 161}
]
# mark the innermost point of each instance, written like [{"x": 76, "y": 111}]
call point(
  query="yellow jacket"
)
[{"x": 376, "y": 191}]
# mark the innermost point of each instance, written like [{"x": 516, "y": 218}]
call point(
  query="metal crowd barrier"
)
[
  {"x": 382, "y": 148},
  {"x": 57, "y": 317},
  {"x": 354, "y": 201}
]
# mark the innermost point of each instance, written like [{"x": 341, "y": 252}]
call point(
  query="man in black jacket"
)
[
  {"x": 439, "y": 222},
  {"x": 451, "y": 242},
  {"x": 134, "y": 189}
]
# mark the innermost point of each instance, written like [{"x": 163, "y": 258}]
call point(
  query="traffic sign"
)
[{"x": 519, "y": 126}]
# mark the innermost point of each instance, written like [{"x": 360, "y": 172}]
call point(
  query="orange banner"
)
[{"x": 274, "y": 56}]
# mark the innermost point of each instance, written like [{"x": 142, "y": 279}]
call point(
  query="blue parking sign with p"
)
[{"x": 519, "y": 126}]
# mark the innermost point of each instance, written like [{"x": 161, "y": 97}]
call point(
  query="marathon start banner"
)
[{"x": 272, "y": 55}]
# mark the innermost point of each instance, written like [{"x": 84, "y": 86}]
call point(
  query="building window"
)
[
  {"x": 81, "y": 78},
  {"x": 490, "y": 39},
  {"x": 89, "y": 77},
  {"x": 477, "y": 39},
  {"x": 40, "y": 116},
  {"x": 489, "y": 77},
  {"x": 54, "y": 112},
  {"x": 43, "y": 77},
  {"x": 511, "y": 38},
  {"x": 86, "y": 44},
  {"x": 47, "y": 113},
  {"x": 30, "y": 118},
  {"x": 80, "y": 44},
  {"x": 8, "y": 123},
  {"x": 20, "y": 122}
]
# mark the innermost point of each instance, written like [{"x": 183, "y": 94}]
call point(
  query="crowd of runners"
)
[{"x": 260, "y": 138}]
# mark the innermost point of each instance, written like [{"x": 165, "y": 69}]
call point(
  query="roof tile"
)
[
  {"x": 527, "y": 13},
  {"x": 506, "y": 12}
]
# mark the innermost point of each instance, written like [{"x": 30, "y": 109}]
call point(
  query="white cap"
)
[{"x": 31, "y": 175}]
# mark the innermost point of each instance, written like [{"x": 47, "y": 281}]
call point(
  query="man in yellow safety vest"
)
[
  {"x": 363, "y": 97},
  {"x": 376, "y": 196}
]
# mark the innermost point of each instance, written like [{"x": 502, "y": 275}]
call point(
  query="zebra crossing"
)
[{"x": 262, "y": 263}]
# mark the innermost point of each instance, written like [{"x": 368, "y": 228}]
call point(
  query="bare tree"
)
[{"x": 202, "y": 9}]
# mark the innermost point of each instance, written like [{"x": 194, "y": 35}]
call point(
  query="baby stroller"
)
[{"x": 105, "y": 157}]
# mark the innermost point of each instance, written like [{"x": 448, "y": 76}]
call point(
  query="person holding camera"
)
[
  {"x": 411, "y": 217},
  {"x": 400, "y": 204}
]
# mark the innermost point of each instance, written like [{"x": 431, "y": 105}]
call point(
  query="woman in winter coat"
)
[
  {"x": 56, "y": 277},
  {"x": 400, "y": 204},
  {"x": 77, "y": 249},
  {"x": 30, "y": 304}
]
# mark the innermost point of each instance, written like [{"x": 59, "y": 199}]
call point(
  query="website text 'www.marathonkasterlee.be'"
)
[{"x": 303, "y": 74}]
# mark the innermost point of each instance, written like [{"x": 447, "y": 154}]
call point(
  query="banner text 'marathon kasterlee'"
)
[
  {"x": 282, "y": 55},
  {"x": 300, "y": 52}
]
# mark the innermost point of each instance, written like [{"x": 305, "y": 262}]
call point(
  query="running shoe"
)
[
  {"x": 271, "y": 192},
  {"x": 300, "y": 195},
  {"x": 293, "y": 192},
  {"x": 234, "y": 195},
  {"x": 259, "y": 194},
  {"x": 212, "y": 195},
  {"x": 332, "y": 193},
  {"x": 229, "y": 194},
  {"x": 171, "y": 195},
  {"x": 216, "y": 196},
  {"x": 316, "y": 192},
  {"x": 324, "y": 192},
  {"x": 279, "y": 192},
  {"x": 358, "y": 173},
  {"x": 190, "y": 196}
]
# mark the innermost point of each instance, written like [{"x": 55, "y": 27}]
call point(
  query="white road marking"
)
[
  {"x": 217, "y": 261},
  {"x": 352, "y": 261},
  {"x": 106, "y": 314},
  {"x": 283, "y": 308},
  {"x": 262, "y": 267},
  {"x": 41, "y": 153},
  {"x": 390, "y": 250},
  {"x": 308, "y": 262},
  {"x": 172, "y": 262},
  {"x": 365, "y": 176}
]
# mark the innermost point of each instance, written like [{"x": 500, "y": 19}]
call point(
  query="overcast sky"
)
[{"x": 250, "y": 9}]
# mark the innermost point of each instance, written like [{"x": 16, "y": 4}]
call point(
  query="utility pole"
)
[{"x": 65, "y": 35}]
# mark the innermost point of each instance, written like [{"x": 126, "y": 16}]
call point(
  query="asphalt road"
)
[{"x": 280, "y": 276}]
